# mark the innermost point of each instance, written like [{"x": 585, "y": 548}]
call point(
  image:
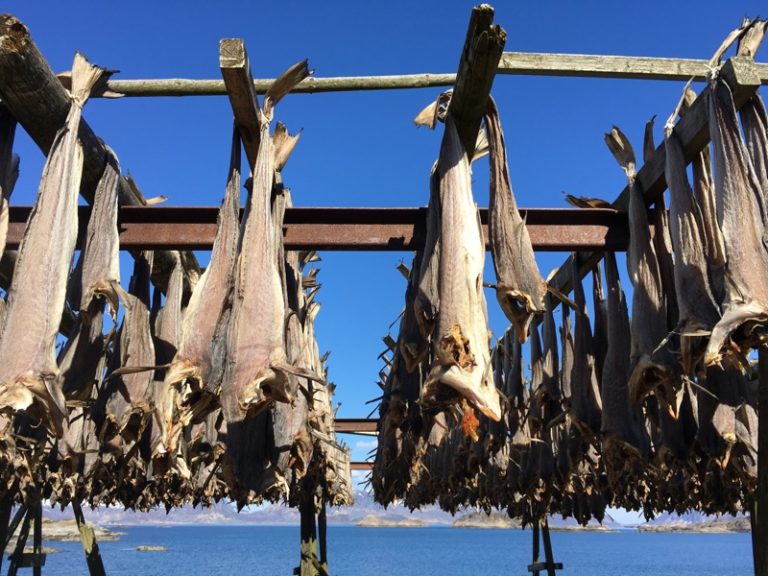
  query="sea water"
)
[{"x": 274, "y": 551}]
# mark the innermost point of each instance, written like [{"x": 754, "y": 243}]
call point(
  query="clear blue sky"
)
[{"x": 361, "y": 149}]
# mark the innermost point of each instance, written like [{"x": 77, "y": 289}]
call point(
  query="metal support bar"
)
[{"x": 365, "y": 229}]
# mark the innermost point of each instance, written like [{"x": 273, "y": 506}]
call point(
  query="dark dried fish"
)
[
  {"x": 738, "y": 191},
  {"x": 651, "y": 369},
  {"x": 586, "y": 405},
  {"x": 696, "y": 304},
  {"x": 520, "y": 288}
]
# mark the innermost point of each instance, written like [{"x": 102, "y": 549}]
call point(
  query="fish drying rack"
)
[{"x": 37, "y": 99}]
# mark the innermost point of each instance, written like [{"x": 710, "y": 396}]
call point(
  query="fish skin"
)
[
  {"x": 124, "y": 406},
  {"x": 737, "y": 192},
  {"x": 426, "y": 301},
  {"x": 255, "y": 369},
  {"x": 520, "y": 288},
  {"x": 619, "y": 418},
  {"x": 101, "y": 253},
  {"x": 462, "y": 350},
  {"x": 28, "y": 369},
  {"x": 190, "y": 369},
  {"x": 586, "y": 405},
  {"x": 167, "y": 332},
  {"x": 651, "y": 370},
  {"x": 600, "y": 307},
  {"x": 697, "y": 307}
]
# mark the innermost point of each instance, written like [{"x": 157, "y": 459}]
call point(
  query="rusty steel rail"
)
[
  {"x": 363, "y": 229},
  {"x": 356, "y": 425},
  {"x": 361, "y": 465}
]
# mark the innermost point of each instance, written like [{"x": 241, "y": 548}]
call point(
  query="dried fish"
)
[
  {"x": 125, "y": 404},
  {"x": 36, "y": 298},
  {"x": 586, "y": 405},
  {"x": 189, "y": 372},
  {"x": 652, "y": 369},
  {"x": 737, "y": 189},
  {"x": 620, "y": 420},
  {"x": 257, "y": 367},
  {"x": 461, "y": 336},
  {"x": 519, "y": 286},
  {"x": 695, "y": 301}
]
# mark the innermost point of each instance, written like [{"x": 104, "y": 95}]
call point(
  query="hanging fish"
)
[
  {"x": 461, "y": 337},
  {"x": 257, "y": 367},
  {"x": 651, "y": 363},
  {"x": 190, "y": 369},
  {"x": 28, "y": 370},
  {"x": 737, "y": 189},
  {"x": 586, "y": 405},
  {"x": 520, "y": 288},
  {"x": 698, "y": 310}
]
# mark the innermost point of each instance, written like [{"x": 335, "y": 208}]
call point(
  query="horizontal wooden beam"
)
[
  {"x": 363, "y": 229},
  {"x": 361, "y": 465},
  {"x": 511, "y": 63},
  {"x": 601, "y": 66}
]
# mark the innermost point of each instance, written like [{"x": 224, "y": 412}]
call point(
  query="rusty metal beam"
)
[
  {"x": 361, "y": 465},
  {"x": 363, "y": 229},
  {"x": 356, "y": 425}
]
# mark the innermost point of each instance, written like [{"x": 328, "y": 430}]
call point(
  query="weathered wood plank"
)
[
  {"x": 511, "y": 63},
  {"x": 33, "y": 94},
  {"x": 88, "y": 540},
  {"x": 479, "y": 61},
  {"x": 236, "y": 71}
]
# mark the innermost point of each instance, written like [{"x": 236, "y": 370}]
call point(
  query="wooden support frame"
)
[
  {"x": 511, "y": 63},
  {"x": 236, "y": 71},
  {"x": 693, "y": 131},
  {"x": 40, "y": 104},
  {"x": 88, "y": 540}
]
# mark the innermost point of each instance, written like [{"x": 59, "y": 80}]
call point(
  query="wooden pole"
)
[
  {"x": 37, "y": 542},
  {"x": 38, "y": 101},
  {"x": 511, "y": 63},
  {"x": 18, "y": 551},
  {"x": 322, "y": 535},
  {"x": 308, "y": 530},
  {"x": 759, "y": 513},
  {"x": 88, "y": 540},
  {"x": 5, "y": 516}
]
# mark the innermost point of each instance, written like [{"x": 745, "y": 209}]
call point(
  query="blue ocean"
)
[{"x": 273, "y": 551}]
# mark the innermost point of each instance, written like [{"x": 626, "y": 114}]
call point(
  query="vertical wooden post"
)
[
  {"x": 759, "y": 510},
  {"x": 322, "y": 539},
  {"x": 37, "y": 542},
  {"x": 308, "y": 565},
  {"x": 5, "y": 517},
  {"x": 88, "y": 540},
  {"x": 18, "y": 551}
]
